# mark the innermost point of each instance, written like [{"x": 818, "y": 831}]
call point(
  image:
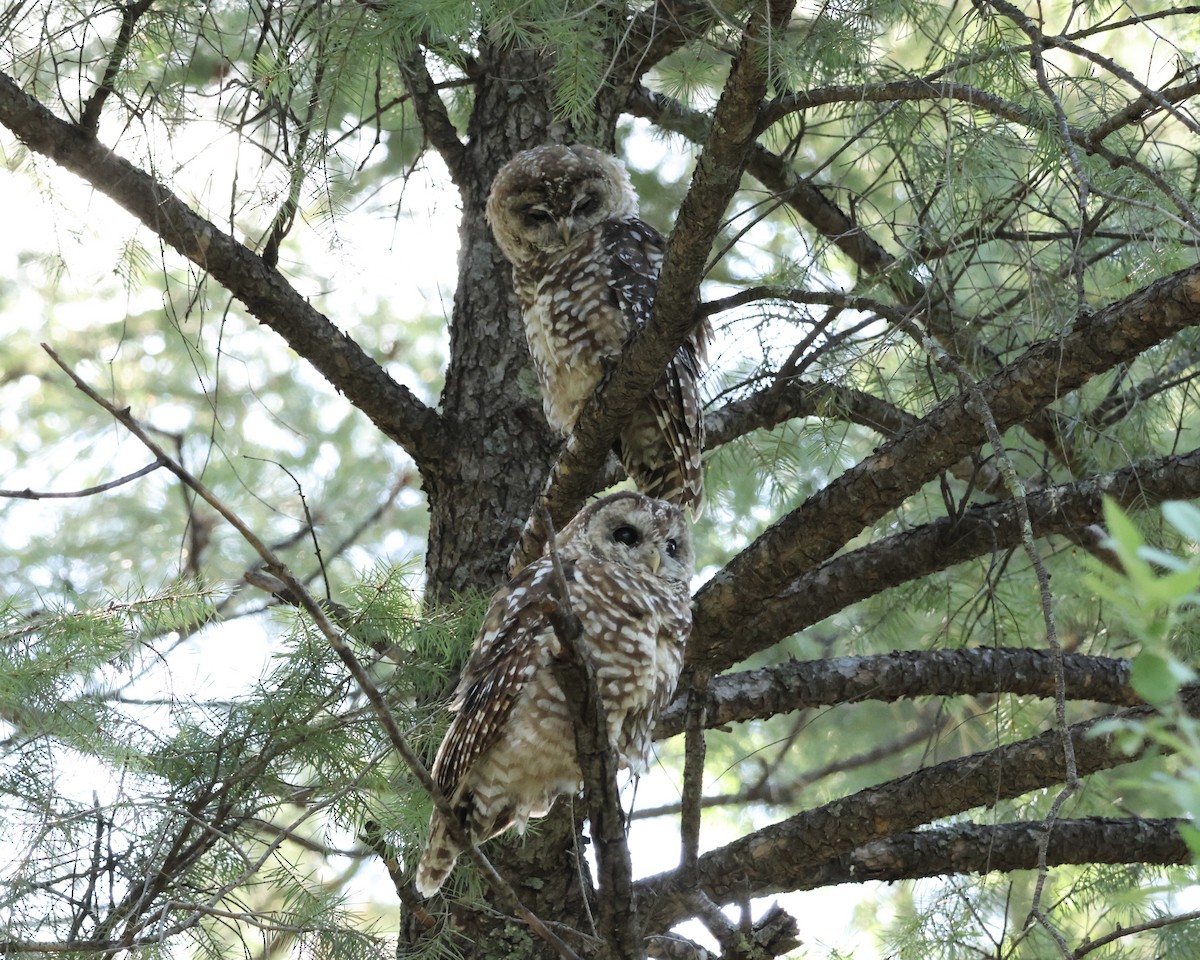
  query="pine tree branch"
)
[
  {"x": 775, "y": 173},
  {"x": 28, "y": 494},
  {"x": 1117, "y": 406},
  {"x": 695, "y": 722},
  {"x": 764, "y": 861},
  {"x": 929, "y": 304},
  {"x": 801, "y": 540},
  {"x": 503, "y": 893},
  {"x": 797, "y": 399},
  {"x": 89, "y": 118},
  {"x": 394, "y": 409},
  {"x": 1142, "y": 108},
  {"x": 786, "y": 790},
  {"x": 920, "y": 88},
  {"x": 285, "y": 216},
  {"x": 904, "y": 674},
  {"x": 997, "y": 848},
  {"x": 1089, "y": 945},
  {"x": 716, "y": 178},
  {"x": 656, "y": 32},
  {"x": 432, "y": 114},
  {"x": 937, "y": 545}
]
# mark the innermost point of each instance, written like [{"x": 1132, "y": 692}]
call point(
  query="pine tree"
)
[{"x": 950, "y": 254}]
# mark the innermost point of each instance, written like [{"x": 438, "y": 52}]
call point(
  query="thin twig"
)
[
  {"x": 693, "y": 771},
  {"x": 89, "y": 119},
  {"x": 1156, "y": 924},
  {"x": 28, "y": 494},
  {"x": 978, "y": 403}
]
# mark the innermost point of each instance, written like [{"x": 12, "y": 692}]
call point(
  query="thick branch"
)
[
  {"x": 267, "y": 295},
  {"x": 887, "y": 677},
  {"x": 998, "y": 848},
  {"x": 981, "y": 530},
  {"x": 801, "y": 540},
  {"x": 918, "y": 88},
  {"x": 801, "y": 398},
  {"x": 716, "y": 178},
  {"x": 431, "y": 112},
  {"x": 765, "y": 861}
]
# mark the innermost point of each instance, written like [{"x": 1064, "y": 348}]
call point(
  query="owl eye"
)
[
  {"x": 672, "y": 547},
  {"x": 538, "y": 216},
  {"x": 587, "y": 205},
  {"x": 627, "y": 535}
]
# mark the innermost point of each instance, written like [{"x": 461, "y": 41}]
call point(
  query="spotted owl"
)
[
  {"x": 585, "y": 270},
  {"x": 510, "y": 748}
]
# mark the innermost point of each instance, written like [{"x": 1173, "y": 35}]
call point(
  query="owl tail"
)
[
  {"x": 668, "y": 468},
  {"x": 661, "y": 445},
  {"x": 437, "y": 860}
]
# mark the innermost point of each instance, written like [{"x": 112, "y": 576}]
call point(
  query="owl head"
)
[
  {"x": 543, "y": 197},
  {"x": 642, "y": 533}
]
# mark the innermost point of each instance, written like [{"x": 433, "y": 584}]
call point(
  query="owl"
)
[
  {"x": 510, "y": 748},
  {"x": 585, "y": 270}
]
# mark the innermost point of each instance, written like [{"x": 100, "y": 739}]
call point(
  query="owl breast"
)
[
  {"x": 510, "y": 749},
  {"x": 633, "y": 631},
  {"x": 573, "y": 322}
]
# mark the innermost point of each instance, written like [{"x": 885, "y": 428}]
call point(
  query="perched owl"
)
[
  {"x": 510, "y": 749},
  {"x": 585, "y": 269}
]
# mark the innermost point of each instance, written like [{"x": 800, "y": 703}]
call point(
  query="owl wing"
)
[
  {"x": 635, "y": 251},
  {"x": 505, "y": 654},
  {"x": 514, "y": 641}
]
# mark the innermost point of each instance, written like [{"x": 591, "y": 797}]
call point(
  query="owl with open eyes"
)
[
  {"x": 585, "y": 271},
  {"x": 510, "y": 749}
]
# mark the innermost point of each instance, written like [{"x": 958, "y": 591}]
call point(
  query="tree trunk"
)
[{"x": 500, "y": 450}]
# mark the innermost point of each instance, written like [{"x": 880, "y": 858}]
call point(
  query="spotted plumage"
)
[
  {"x": 585, "y": 271},
  {"x": 510, "y": 748}
]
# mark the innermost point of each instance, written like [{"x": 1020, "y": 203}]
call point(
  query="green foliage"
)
[
  {"x": 246, "y": 790},
  {"x": 1154, "y": 599}
]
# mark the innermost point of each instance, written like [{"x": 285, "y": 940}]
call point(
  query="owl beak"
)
[
  {"x": 655, "y": 562},
  {"x": 564, "y": 228}
]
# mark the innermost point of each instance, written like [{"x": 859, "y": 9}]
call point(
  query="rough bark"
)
[
  {"x": 493, "y": 420},
  {"x": 797, "y": 684},
  {"x": 1000, "y": 848},
  {"x": 940, "y": 544},
  {"x": 490, "y": 405},
  {"x": 486, "y": 455}
]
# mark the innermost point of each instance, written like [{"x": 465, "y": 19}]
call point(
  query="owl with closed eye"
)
[
  {"x": 585, "y": 271},
  {"x": 509, "y": 751}
]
